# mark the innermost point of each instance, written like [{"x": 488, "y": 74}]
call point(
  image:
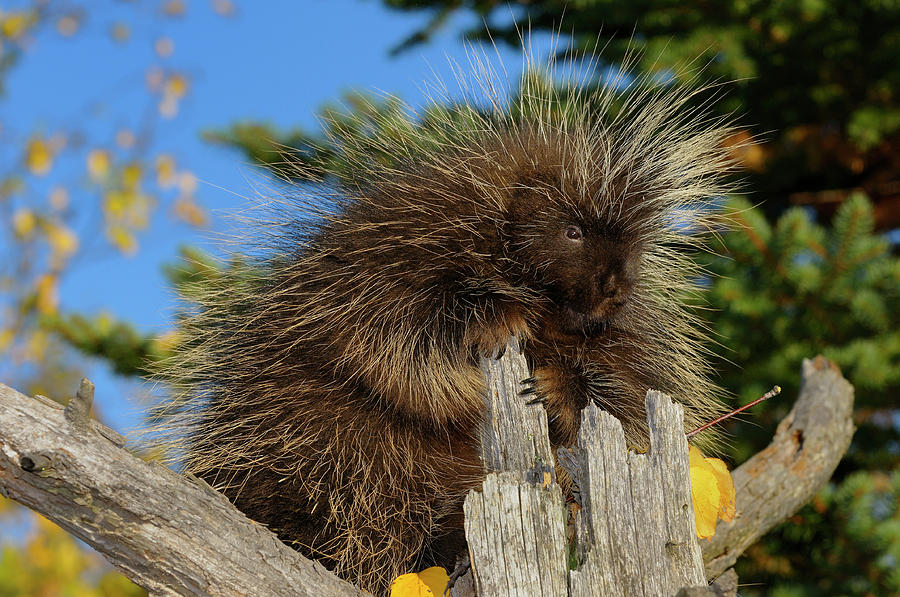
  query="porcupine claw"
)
[{"x": 530, "y": 388}]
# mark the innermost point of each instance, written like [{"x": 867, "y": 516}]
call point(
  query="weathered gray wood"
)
[
  {"x": 171, "y": 534},
  {"x": 636, "y": 534},
  {"x": 514, "y": 433},
  {"x": 668, "y": 451},
  {"x": 724, "y": 586},
  {"x": 516, "y": 524},
  {"x": 516, "y": 537},
  {"x": 110, "y": 434},
  {"x": 779, "y": 480}
]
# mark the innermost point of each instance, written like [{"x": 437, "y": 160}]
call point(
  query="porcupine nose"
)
[
  {"x": 609, "y": 285},
  {"x": 610, "y": 292}
]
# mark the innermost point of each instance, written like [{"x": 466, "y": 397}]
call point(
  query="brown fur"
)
[{"x": 330, "y": 387}]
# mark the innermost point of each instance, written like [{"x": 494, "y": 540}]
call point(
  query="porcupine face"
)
[{"x": 586, "y": 266}]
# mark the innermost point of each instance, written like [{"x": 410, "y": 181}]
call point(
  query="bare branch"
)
[
  {"x": 778, "y": 481},
  {"x": 171, "y": 534}
]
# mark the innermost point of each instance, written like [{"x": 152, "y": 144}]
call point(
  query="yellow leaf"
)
[
  {"x": 38, "y": 157},
  {"x": 98, "y": 163},
  {"x": 712, "y": 491},
  {"x": 62, "y": 240},
  {"x": 726, "y": 489},
  {"x": 436, "y": 579},
  {"x": 123, "y": 239},
  {"x": 24, "y": 222},
  {"x": 165, "y": 170},
  {"x": 176, "y": 86},
  {"x": 131, "y": 176},
  {"x": 47, "y": 297},
  {"x": 114, "y": 204},
  {"x": 428, "y": 583},
  {"x": 15, "y": 24},
  {"x": 6, "y": 339}
]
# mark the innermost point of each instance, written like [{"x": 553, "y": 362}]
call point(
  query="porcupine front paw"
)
[{"x": 490, "y": 341}]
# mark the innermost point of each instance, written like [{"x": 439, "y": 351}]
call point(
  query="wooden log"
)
[
  {"x": 636, "y": 533},
  {"x": 515, "y": 525},
  {"x": 171, "y": 534}
]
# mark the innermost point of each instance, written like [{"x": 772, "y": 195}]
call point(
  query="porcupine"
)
[{"x": 329, "y": 383}]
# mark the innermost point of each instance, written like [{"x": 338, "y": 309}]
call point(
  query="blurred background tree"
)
[
  {"x": 807, "y": 268},
  {"x": 76, "y": 190}
]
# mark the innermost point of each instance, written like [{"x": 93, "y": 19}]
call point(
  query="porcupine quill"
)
[{"x": 327, "y": 381}]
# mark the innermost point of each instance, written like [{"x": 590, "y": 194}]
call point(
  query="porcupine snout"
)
[{"x": 609, "y": 288}]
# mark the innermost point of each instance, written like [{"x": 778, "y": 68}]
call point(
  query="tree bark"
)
[
  {"x": 173, "y": 535},
  {"x": 636, "y": 533},
  {"x": 808, "y": 445}
]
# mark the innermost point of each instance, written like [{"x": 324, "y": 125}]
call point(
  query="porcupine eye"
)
[{"x": 573, "y": 233}]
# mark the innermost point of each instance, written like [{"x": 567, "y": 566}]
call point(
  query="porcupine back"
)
[{"x": 327, "y": 380}]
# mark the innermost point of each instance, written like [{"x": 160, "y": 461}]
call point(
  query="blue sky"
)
[{"x": 275, "y": 61}]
